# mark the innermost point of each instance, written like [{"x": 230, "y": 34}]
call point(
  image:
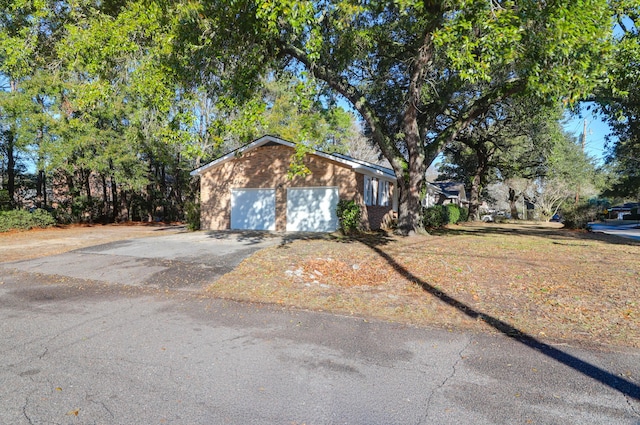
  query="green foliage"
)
[
  {"x": 464, "y": 215},
  {"x": 192, "y": 215},
  {"x": 439, "y": 216},
  {"x": 24, "y": 220},
  {"x": 42, "y": 218},
  {"x": 453, "y": 213},
  {"x": 349, "y": 213},
  {"x": 578, "y": 216},
  {"x": 435, "y": 217},
  {"x": 412, "y": 67},
  {"x": 5, "y": 200}
]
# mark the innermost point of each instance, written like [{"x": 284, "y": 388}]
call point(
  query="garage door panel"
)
[
  {"x": 253, "y": 209},
  {"x": 312, "y": 209}
]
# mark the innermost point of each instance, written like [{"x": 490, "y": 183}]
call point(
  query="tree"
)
[
  {"x": 512, "y": 139},
  {"x": 417, "y": 72},
  {"x": 619, "y": 100}
]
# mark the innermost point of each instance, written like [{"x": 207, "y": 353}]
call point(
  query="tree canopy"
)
[
  {"x": 417, "y": 72},
  {"x": 620, "y": 100},
  {"x": 132, "y": 94}
]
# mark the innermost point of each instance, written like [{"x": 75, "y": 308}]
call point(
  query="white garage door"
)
[
  {"x": 253, "y": 209},
  {"x": 312, "y": 209}
]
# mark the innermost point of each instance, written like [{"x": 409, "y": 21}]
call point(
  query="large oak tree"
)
[{"x": 418, "y": 72}]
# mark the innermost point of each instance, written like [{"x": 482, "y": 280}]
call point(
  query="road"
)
[
  {"x": 97, "y": 349},
  {"x": 626, "y": 230}
]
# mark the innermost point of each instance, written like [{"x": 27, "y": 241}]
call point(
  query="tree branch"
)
[{"x": 355, "y": 97}]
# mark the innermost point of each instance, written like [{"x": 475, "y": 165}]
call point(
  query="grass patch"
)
[{"x": 547, "y": 282}]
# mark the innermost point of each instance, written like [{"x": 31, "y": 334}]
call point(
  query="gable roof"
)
[{"x": 360, "y": 166}]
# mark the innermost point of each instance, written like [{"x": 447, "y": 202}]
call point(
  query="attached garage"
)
[
  {"x": 252, "y": 188},
  {"x": 312, "y": 209},
  {"x": 253, "y": 209}
]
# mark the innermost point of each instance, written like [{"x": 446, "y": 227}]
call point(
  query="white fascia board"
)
[
  {"x": 373, "y": 172},
  {"x": 356, "y": 165}
]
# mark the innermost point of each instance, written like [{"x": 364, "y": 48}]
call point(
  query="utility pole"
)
[{"x": 584, "y": 144}]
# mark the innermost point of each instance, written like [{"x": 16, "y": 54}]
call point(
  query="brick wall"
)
[
  {"x": 266, "y": 167},
  {"x": 380, "y": 217}
]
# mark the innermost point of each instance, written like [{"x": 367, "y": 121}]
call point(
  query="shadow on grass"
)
[
  {"x": 530, "y": 230},
  {"x": 257, "y": 236},
  {"x": 622, "y": 385}
]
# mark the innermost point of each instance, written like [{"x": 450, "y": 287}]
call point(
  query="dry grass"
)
[{"x": 538, "y": 279}]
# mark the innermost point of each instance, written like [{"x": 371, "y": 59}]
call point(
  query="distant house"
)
[
  {"x": 446, "y": 192},
  {"x": 249, "y": 189},
  {"x": 618, "y": 212}
]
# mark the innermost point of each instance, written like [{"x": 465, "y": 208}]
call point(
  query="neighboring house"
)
[
  {"x": 249, "y": 189},
  {"x": 443, "y": 193},
  {"x": 618, "y": 212}
]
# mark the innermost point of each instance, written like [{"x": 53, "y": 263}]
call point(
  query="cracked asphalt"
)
[{"x": 81, "y": 343}]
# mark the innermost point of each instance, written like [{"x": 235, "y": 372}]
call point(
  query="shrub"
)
[
  {"x": 464, "y": 215},
  {"x": 192, "y": 215},
  {"x": 349, "y": 214},
  {"x": 42, "y": 218},
  {"x": 5, "y": 200},
  {"x": 435, "y": 217},
  {"x": 453, "y": 213},
  {"x": 579, "y": 216},
  {"x": 24, "y": 220}
]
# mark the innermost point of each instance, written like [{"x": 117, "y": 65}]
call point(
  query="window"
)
[{"x": 376, "y": 192}]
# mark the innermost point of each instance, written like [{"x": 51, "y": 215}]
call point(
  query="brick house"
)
[{"x": 249, "y": 189}]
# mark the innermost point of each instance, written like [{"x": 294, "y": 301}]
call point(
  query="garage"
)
[
  {"x": 253, "y": 209},
  {"x": 312, "y": 209}
]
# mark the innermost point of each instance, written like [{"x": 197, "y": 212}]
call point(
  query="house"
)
[
  {"x": 249, "y": 189},
  {"x": 445, "y": 192},
  {"x": 618, "y": 212}
]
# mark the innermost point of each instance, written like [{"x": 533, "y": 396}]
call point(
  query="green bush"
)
[
  {"x": 579, "y": 216},
  {"x": 464, "y": 215},
  {"x": 42, "y": 218},
  {"x": 453, "y": 213},
  {"x": 192, "y": 215},
  {"x": 24, "y": 220},
  {"x": 435, "y": 217},
  {"x": 5, "y": 200},
  {"x": 349, "y": 214}
]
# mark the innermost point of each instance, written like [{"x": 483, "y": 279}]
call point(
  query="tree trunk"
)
[
  {"x": 86, "y": 181},
  {"x": 11, "y": 168},
  {"x": 40, "y": 189},
  {"x": 105, "y": 198},
  {"x": 513, "y": 198},
  {"x": 114, "y": 200},
  {"x": 474, "y": 197},
  {"x": 477, "y": 182}
]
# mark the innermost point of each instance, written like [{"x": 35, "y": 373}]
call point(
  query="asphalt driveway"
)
[{"x": 179, "y": 260}]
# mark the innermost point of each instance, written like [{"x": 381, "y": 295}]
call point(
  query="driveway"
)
[{"x": 179, "y": 260}]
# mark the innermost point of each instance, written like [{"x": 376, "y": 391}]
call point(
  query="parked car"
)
[{"x": 487, "y": 218}]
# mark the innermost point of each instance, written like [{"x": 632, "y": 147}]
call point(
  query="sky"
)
[{"x": 597, "y": 130}]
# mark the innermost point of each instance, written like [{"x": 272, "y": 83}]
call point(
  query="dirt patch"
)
[{"x": 24, "y": 245}]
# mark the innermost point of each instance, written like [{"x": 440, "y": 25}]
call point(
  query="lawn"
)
[{"x": 535, "y": 279}]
